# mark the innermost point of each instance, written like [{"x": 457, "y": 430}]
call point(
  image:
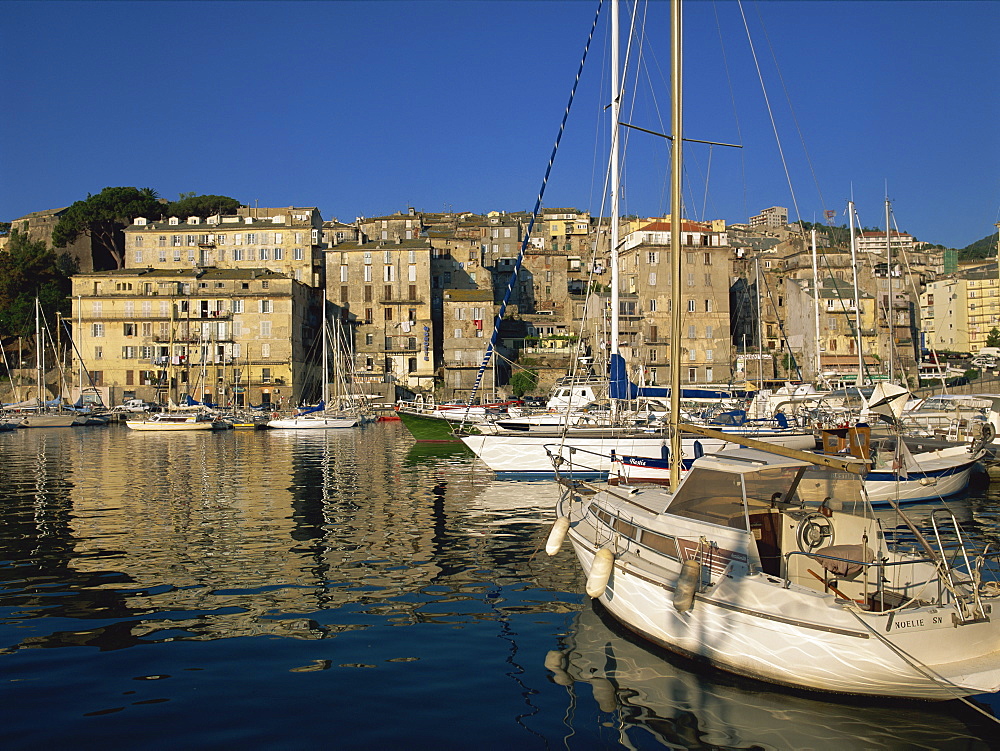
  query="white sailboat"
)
[
  {"x": 318, "y": 417},
  {"x": 41, "y": 416},
  {"x": 729, "y": 567}
]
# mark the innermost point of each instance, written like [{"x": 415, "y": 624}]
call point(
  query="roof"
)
[
  {"x": 664, "y": 226},
  {"x": 209, "y": 272},
  {"x": 746, "y": 461}
]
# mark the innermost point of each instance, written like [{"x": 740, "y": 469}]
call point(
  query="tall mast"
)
[
  {"x": 323, "y": 397},
  {"x": 676, "y": 228},
  {"x": 888, "y": 278},
  {"x": 857, "y": 306},
  {"x": 819, "y": 349},
  {"x": 39, "y": 371},
  {"x": 850, "y": 221},
  {"x": 614, "y": 178}
]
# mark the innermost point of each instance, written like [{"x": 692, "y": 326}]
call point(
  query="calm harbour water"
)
[{"x": 347, "y": 589}]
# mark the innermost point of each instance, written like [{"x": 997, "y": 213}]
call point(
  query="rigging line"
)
[
  {"x": 925, "y": 670},
  {"x": 770, "y": 112},
  {"x": 534, "y": 214},
  {"x": 732, "y": 99},
  {"x": 791, "y": 110}
]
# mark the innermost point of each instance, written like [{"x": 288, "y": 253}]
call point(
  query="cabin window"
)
[
  {"x": 711, "y": 496},
  {"x": 660, "y": 543}
]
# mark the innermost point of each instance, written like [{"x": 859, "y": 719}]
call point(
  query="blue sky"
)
[{"x": 365, "y": 108}]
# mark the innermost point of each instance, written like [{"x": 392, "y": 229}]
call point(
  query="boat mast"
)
[
  {"x": 39, "y": 368},
  {"x": 850, "y": 221},
  {"x": 888, "y": 279},
  {"x": 819, "y": 355},
  {"x": 676, "y": 227},
  {"x": 615, "y": 188},
  {"x": 324, "y": 394},
  {"x": 857, "y": 307}
]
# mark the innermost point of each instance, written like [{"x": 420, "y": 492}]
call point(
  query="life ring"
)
[
  {"x": 812, "y": 532},
  {"x": 275, "y": 415}
]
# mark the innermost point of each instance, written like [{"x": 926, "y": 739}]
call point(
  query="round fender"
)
[
  {"x": 275, "y": 415},
  {"x": 600, "y": 572},
  {"x": 557, "y": 535}
]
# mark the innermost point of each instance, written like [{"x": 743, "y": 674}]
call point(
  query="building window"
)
[
  {"x": 265, "y": 306},
  {"x": 693, "y": 375},
  {"x": 387, "y": 292},
  {"x": 265, "y": 351},
  {"x": 99, "y": 351},
  {"x": 368, "y": 273},
  {"x": 297, "y": 254},
  {"x": 369, "y": 315},
  {"x": 368, "y": 293},
  {"x": 708, "y": 354},
  {"x": 692, "y": 306},
  {"x": 265, "y": 328},
  {"x": 265, "y": 375},
  {"x": 343, "y": 294},
  {"x": 388, "y": 314},
  {"x": 708, "y": 306},
  {"x": 652, "y": 306}
]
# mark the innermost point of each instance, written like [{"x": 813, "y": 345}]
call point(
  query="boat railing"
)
[{"x": 968, "y": 586}]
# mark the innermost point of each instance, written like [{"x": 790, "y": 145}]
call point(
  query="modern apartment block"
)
[
  {"x": 960, "y": 311},
  {"x": 775, "y": 217},
  {"x": 226, "y": 336}
]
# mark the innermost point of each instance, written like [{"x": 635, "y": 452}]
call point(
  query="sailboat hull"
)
[
  {"x": 525, "y": 456},
  {"x": 759, "y": 626},
  {"x": 43, "y": 420},
  {"x": 309, "y": 422}
]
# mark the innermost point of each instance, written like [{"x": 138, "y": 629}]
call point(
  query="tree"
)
[
  {"x": 523, "y": 381},
  {"x": 188, "y": 204},
  {"x": 993, "y": 338},
  {"x": 30, "y": 269},
  {"x": 104, "y": 216}
]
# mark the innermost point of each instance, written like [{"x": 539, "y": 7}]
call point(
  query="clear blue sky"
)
[{"x": 365, "y": 108}]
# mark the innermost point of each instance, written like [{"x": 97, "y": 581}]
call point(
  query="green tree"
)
[
  {"x": 102, "y": 217},
  {"x": 993, "y": 338},
  {"x": 30, "y": 269},
  {"x": 523, "y": 381},
  {"x": 188, "y": 204}
]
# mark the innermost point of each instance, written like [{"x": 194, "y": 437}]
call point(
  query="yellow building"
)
[
  {"x": 287, "y": 240},
  {"x": 226, "y": 336}
]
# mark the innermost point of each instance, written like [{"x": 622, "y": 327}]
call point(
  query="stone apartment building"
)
[
  {"x": 468, "y": 318},
  {"x": 645, "y": 295},
  {"x": 959, "y": 311},
  {"x": 227, "y": 336},
  {"x": 286, "y": 240},
  {"x": 383, "y": 290}
]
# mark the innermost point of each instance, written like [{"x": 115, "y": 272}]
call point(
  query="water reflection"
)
[
  {"x": 653, "y": 694},
  {"x": 239, "y": 585}
]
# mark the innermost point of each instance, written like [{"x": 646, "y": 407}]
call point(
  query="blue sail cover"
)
[
  {"x": 189, "y": 402},
  {"x": 621, "y": 388},
  {"x": 308, "y": 411}
]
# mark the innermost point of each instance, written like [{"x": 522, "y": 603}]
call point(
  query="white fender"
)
[
  {"x": 556, "y": 535},
  {"x": 600, "y": 572},
  {"x": 687, "y": 585}
]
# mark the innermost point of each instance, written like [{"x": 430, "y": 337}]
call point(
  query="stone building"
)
[
  {"x": 468, "y": 316},
  {"x": 90, "y": 255},
  {"x": 644, "y": 302},
  {"x": 286, "y": 240},
  {"x": 226, "y": 336},
  {"x": 383, "y": 290}
]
